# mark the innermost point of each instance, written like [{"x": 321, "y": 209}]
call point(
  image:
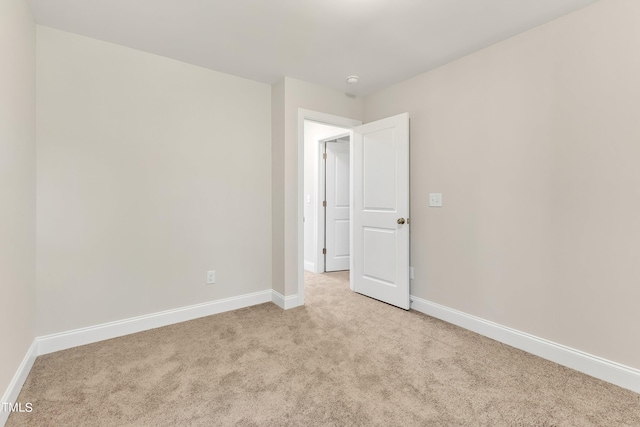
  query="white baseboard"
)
[
  {"x": 12, "y": 392},
  {"x": 77, "y": 337},
  {"x": 309, "y": 266},
  {"x": 603, "y": 369},
  {"x": 283, "y": 302}
]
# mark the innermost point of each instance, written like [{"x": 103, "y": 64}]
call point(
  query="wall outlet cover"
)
[{"x": 211, "y": 277}]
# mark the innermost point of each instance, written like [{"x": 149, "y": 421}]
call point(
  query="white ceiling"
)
[{"x": 319, "y": 41}]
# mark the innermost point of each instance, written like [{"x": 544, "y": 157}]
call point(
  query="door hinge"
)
[
  {"x": 324, "y": 251},
  {"x": 324, "y": 156},
  {"x": 324, "y": 203}
]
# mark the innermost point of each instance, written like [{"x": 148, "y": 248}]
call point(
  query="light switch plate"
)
[{"x": 435, "y": 199}]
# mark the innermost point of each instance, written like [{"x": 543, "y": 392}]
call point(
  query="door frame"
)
[
  {"x": 328, "y": 119},
  {"x": 321, "y": 227}
]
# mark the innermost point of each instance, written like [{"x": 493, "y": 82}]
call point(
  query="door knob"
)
[{"x": 400, "y": 220}]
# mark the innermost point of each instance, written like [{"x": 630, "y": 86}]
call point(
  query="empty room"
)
[{"x": 336, "y": 212}]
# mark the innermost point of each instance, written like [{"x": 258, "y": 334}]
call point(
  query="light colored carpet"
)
[{"x": 342, "y": 360}]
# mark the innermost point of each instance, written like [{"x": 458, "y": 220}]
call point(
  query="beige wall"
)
[
  {"x": 17, "y": 186},
  {"x": 277, "y": 186},
  {"x": 150, "y": 172},
  {"x": 299, "y": 94},
  {"x": 534, "y": 143}
]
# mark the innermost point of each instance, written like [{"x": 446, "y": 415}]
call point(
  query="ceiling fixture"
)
[{"x": 352, "y": 79}]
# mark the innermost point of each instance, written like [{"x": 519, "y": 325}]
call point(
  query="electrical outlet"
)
[
  {"x": 435, "y": 199},
  {"x": 211, "y": 277},
  {"x": 411, "y": 273}
]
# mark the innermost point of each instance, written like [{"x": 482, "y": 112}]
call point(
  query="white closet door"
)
[{"x": 337, "y": 212}]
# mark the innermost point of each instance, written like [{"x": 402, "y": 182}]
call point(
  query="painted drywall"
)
[
  {"x": 17, "y": 186},
  {"x": 313, "y": 133},
  {"x": 277, "y": 186},
  {"x": 534, "y": 144},
  {"x": 298, "y": 94},
  {"x": 150, "y": 173}
]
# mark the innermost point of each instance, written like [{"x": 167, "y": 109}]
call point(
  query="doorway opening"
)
[
  {"x": 378, "y": 204},
  {"x": 319, "y": 199},
  {"x": 314, "y": 130}
]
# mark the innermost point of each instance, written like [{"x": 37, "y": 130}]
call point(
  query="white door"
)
[
  {"x": 380, "y": 252},
  {"x": 337, "y": 210}
]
